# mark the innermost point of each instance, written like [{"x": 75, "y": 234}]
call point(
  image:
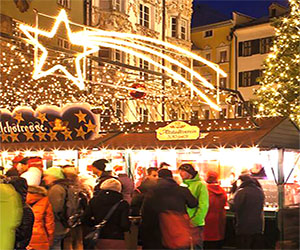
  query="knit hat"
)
[
  {"x": 36, "y": 162},
  {"x": 165, "y": 173},
  {"x": 111, "y": 184},
  {"x": 100, "y": 164},
  {"x": 189, "y": 169},
  {"x": 55, "y": 172},
  {"x": 212, "y": 177},
  {"x": 33, "y": 176}
]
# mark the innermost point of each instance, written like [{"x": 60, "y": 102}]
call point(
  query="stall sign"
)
[
  {"x": 178, "y": 130},
  {"x": 48, "y": 123}
]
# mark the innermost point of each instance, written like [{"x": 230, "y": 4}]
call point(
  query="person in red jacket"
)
[
  {"x": 214, "y": 229},
  {"x": 43, "y": 227}
]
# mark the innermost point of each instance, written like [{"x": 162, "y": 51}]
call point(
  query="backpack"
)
[{"x": 75, "y": 203}]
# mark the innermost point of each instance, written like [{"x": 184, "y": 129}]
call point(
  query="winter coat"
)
[
  {"x": 57, "y": 197},
  {"x": 43, "y": 228},
  {"x": 98, "y": 208},
  {"x": 199, "y": 190},
  {"x": 248, "y": 203},
  {"x": 166, "y": 196},
  {"x": 104, "y": 176},
  {"x": 139, "y": 194},
  {"x": 24, "y": 230},
  {"x": 215, "y": 219},
  {"x": 11, "y": 212},
  {"x": 127, "y": 187}
]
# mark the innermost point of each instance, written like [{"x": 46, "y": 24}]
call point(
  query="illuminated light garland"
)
[{"x": 76, "y": 38}]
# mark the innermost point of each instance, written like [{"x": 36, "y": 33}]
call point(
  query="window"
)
[
  {"x": 245, "y": 79},
  {"x": 174, "y": 68},
  {"x": 223, "y": 81},
  {"x": 65, "y": 3},
  {"x": 206, "y": 114},
  {"x": 118, "y": 5},
  {"x": 144, "y": 15},
  {"x": 63, "y": 43},
  {"x": 195, "y": 115},
  {"x": 223, "y": 113},
  {"x": 183, "y": 30},
  {"x": 183, "y": 116},
  {"x": 249, "y": 78},
  {"x": 119, "y": 110},
  {"x": 174, "y": 26},
  {"x": 223, "y": 56},
  {"x": 208, "y": 33},
  {"x": 144, "y": 65},
  {"x": 208, "y": 56},
  {"x": 118, "y": 55},
  {"x": 144, "y": 115},
  {"x": 265, "y": 45},
  {"x": 273, "y": 13},
  {"x": 247, "y": 48},
  {"x": 104, "y": 53}
]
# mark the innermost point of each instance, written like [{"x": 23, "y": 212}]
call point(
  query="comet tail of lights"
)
[{"x": 145, "y": 48}]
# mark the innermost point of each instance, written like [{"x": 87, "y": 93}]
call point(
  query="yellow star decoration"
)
[
  {"x": 67, "y": 134},
  {"x": 18, "y": 117},
  {"x": 42, "y": 117},
  {"x": 90, "y": 126},
  {"x": 41, "y": 135},
  {"x": 14, "y": 137},
  {"x": 52, "y": 135},
  {"x": 81, "y": 116},
  {"x": 4, "y": 137},
  {"x": 74, "y": 38},
  {"x": 80, "y": 132},
  {"x": 29, "y": 135}
]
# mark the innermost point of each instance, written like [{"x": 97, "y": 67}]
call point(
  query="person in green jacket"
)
[
  {"x": 198, "y": 188},
  {"x": 11, "y": 212}
]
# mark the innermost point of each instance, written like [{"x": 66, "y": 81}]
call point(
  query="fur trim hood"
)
[{"x": 37, "y": 190}]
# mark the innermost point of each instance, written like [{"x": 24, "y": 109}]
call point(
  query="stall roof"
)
[{"x": 244, "y": 132}]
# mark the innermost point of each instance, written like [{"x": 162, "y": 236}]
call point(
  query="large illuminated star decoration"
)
[
  {"x": 40, "y": 61},
  {"x": 133, "y": 44}
]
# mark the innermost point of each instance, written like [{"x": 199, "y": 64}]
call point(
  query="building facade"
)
[
  {"x": 239, "y": 45},
  {"x": 253, "y": 41}
]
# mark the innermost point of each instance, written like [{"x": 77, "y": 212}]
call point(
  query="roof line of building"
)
[{"x": 212, "y": 25}]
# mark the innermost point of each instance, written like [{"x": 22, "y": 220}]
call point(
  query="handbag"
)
[
  {"x": 177, "y": 230},
  {"x": 93, "y": 236}
]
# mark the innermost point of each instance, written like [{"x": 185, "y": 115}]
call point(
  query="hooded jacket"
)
[
  {"x": 199, "y": 191},
  {"x": 215, "y": 219},
  {"x": 11, "y": 211},
  {"x": 43, "y": 228},
  {"x": 57, "y": 196},
  {"x": 248, "y": 204}
]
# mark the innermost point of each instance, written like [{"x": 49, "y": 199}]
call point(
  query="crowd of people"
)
[{"x": 57, "y": 208}]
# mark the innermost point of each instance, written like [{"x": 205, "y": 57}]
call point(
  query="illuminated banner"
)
[
  {"x": 48, "y": 123},
  {"x": 178, "y": 131}
]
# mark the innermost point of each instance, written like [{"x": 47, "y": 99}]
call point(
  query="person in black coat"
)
[
  {"x": 98, "y": 208},
  {"x": 166, "y": 196},
  {"x": 24, "y": 231},
  {"x": 248, "y": 203}
]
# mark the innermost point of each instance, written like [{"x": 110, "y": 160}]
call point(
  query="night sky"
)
[{"x": 254, "y": 8}]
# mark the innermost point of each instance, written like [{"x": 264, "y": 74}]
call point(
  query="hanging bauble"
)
[{"x": 139, "y": 92}]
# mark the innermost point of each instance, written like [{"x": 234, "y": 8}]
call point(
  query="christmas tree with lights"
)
[{"x": 279, "y": 94}]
